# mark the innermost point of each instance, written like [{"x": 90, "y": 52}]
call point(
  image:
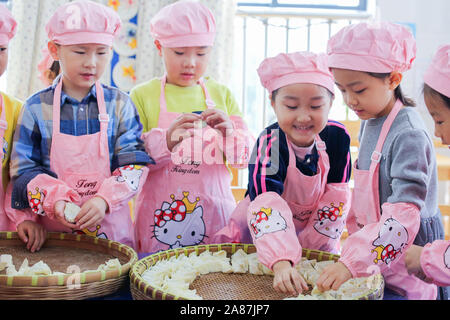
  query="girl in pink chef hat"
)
[
  {"x": 298, "y": 193},
  {"x": 78, "y": 141},
  {"x": 10, "y": 110},
  {"x": 193, "y": 129},
  {"x": 394, "y": 198},
  {"x": 432, "y": 262}
]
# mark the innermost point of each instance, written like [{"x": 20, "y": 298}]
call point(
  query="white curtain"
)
[{"x": 32, "y": 15}]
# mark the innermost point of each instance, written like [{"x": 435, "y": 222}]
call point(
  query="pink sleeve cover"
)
[
  {"x": 272, "y": 229},
  {"x": 435, "y": 262},
  {"x": 379, "y": 245}
]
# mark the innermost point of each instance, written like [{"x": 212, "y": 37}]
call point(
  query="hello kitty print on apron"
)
[
  {"x": 179, "y": 223},
  {"x": 330, "y": 222}
]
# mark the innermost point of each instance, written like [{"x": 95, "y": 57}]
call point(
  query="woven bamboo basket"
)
[
  {"x": 69, "y": 253},
  {"x": 221, "y": 286}
]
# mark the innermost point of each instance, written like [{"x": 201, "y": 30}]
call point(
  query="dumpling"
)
[
  {"x": 239, "y": 262},
  {"x": 254, "y": 266}
]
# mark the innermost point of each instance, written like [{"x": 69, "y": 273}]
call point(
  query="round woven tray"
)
[
  {"x": 226, "y": 286},
  {"x": 69, "y": 253}
]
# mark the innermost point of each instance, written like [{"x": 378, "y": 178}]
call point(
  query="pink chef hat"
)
[
  {"x": 297, "y": 67},
  {"x": 7, "y": 25},
  {"x": 380, "y": 47},
  {"x": 437, "y": 75},
  {"x": 83, "y": 21},
  {"x": 184, "y": 24}
]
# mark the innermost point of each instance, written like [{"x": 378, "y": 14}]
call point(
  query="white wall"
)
[{"x": 432, "y": 24}]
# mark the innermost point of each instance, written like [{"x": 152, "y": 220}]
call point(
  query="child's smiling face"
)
[
  {"x": 186, "y": 65},
  {"x": 302, "y": 111},
  {"x": 82, "y": 65}
]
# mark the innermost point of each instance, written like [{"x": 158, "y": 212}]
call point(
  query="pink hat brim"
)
[
  {"x": 306, "y": 77},
  {"x": 359, "y": 63},
  {"x": 4, "y": 39},
  {"x": 188, "y": 40},
  {"x": 84, "y": 38}
]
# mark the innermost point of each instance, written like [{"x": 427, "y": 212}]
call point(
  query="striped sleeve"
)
[
  {"x": 337, "y": 140},
  {"x": 268, "y": 163}
]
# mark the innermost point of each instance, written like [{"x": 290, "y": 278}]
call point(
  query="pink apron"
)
[
  {"x": 5, "y": 223},
  {"x": 365, "y": 210},
  {"x": 188, "y": 200},
  {"x": 83, "y": 163}
]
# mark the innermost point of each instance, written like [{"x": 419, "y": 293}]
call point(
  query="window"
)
[{"x": 308, "y": 4}]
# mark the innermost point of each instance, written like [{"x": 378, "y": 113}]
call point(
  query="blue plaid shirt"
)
[{"x": 33, "y": 136}]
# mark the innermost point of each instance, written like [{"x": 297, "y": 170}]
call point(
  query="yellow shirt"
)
[
  {"x": 12, "y": 108},
  {"x": 180, "y": 99}
]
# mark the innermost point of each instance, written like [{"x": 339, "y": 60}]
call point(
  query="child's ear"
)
[
  {"x": 53, "y": 49},
  {"x": 394, "y": 79},
  {"x": 158, "y": 47}
]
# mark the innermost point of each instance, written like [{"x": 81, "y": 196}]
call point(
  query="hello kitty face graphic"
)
[
  {"x": 179, "y": 223},
  {"x": 329, "y": 221},
  {"x": 392, "y": 238},
  {"x": 267, "y": 220},
  {"x": 447, "y": 257},
  {"x": 131, "y": 174}
]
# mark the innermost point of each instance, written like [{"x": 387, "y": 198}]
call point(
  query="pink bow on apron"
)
[
  {"x": 186, "y": 201},
  {"x": 83, "y": 163},
  {"x": 5, "y": 223}
]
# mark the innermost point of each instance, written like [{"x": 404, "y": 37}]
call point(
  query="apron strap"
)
[
  {"x": 376, "y": 154},
  {"x": 57, "y": 106},
  {"x": 162, "y": 95},
  {"x": 209, "y": 102},
  {"x": 103, "y": 117}
]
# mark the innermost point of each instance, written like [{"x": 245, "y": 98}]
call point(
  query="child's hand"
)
[
  {"x": 92, "y": 213},
  {"x": 59, "y": 214},
  {"x": 287, "y": 279},
  {"x": 412, "y": 262},
  {"x": 33, "y": 234},
  {"x": 333, "y": 277},
  {"x": 219, "y": 120},
  {"x": 179, "y": 129}
]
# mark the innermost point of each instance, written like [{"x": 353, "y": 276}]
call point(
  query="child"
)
[
  {"x": 79, "y": 141},
  {"x": 432, "y": 262},
  {"x": 298, "y": 193},
  {"x": 394, "y": 197},
  {"x": 192, "y": 124},
  {"x": 9, "y": 108},
  {"x": 48, "y": 68}
]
